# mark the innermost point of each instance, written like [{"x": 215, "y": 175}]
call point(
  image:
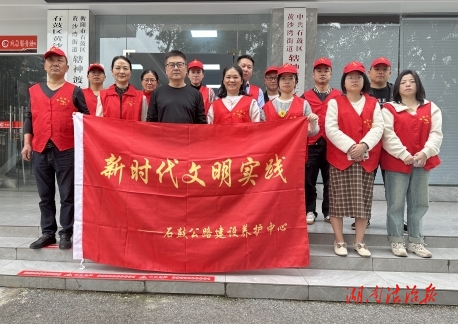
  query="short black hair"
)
[
  {"x": 222, "y": 91},
  {"x": 246, "y": 56},
  {"x": 419, "y": 95},
  {"x": 366, "y": 84},
  {"x": 175, "y": 53},
  {"x": 121, "y": 57},
  {"x": 149, "y": 71}
]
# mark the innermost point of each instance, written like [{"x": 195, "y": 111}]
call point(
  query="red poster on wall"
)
[
  {"x": 18, "y": 44},
  {"x": 7, "y": 124},
  {"x": 190, "y": 198}
]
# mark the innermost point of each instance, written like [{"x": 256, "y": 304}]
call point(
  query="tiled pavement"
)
[{"x": 329, "y": 277}]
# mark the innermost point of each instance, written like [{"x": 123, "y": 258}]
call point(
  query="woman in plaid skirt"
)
[{"x": 354, "y": 127}]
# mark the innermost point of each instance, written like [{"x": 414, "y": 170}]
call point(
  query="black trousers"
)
[
  {"x": 49, "y": 166},
  {"x": 316, "y": 162}
]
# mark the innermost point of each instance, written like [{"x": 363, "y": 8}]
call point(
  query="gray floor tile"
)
[
  {"x": 342, "y": 278},
  {"x": 4, "y": 262},
  {"x": 270, "y": 276},
  {"x": 20, "y": 231},
  {"x": 421, "y": 280},
  {"x": 17, "y": 266},
  {"x": 44, "y": 254},
  {"x": 267, "y": 291},
  {"x": 31, "y": 282},
  {"x": 8, "y": 253},
  {"x": 14, "y": 242},
  {"x": 213, "y": 288},
  {"x": 105, "y": 285},
  {"x": 453, "y": 267}
]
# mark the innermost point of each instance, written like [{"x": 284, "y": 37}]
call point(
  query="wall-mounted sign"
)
[
  {"x": 294, "y": 42},
  {"x": 8, "y": 124},
  {"x": 18, "y": 44}
]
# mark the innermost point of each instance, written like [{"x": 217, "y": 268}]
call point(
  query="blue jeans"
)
[
  {"x": 49, "y": 165},
  {"x": 413, "y": 189}
]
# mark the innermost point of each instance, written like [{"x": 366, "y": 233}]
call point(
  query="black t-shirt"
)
[
  {"x": 176, "y": 105},
  {"x": 383, "y": 94}
]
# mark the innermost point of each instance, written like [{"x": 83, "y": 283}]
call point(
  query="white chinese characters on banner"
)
[{"x": 294, "y": 42}]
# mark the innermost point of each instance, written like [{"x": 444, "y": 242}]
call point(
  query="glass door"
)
[
  {"x": 213, "y": 66},
  {"x": 18, "y": 73}
]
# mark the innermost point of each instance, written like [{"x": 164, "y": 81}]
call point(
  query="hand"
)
[
  {"x": 420, "y": 157},
  {"x": 312, "y": 117},
  {"x": 408, "y": 160},
  {"x": 27, "y": 152},
  {"x": 357, "y": 151}
]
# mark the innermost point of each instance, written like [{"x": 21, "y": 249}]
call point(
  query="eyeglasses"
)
[
  {"x": 356, "y": 78},
  {"x": 271, "y": 78},
  {"x": 149, "y": 80},
  {"x": 172, "y": 65}
]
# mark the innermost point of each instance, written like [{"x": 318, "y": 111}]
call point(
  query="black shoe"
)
[
  {"x": 43, "y": 241},
  {"x": 405, "y": 227},
  {"x": 327, "y": 219},
  {"x": 65, "y": 241},
  {"x": 353, "y": 226}
]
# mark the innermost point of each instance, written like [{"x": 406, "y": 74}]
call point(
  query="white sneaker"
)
[
  {"x": 399, "y": 249},
  {"x": 419, "y": 250},
  {"x": 310, "y": 218},
  {"x": 340, "y": 249},
  {"x": 362, "y": 250}
]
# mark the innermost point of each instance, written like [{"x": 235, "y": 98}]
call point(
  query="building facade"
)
[{"x": 420, "y": 35}]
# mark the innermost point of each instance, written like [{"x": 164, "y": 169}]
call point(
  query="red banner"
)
[
  {"x": 118, "y": 276},
  {"x": 19, "y": 43},
  {"x": 190, "y": 198}
]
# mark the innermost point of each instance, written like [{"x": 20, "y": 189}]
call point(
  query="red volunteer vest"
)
[
  {"x": 52, "y": 117},
  {"x": 254, "y": 92},
  {"x": 295, "y": 110},
  {"x": 320, "y": 108},
  {"x": 356, "y": 127},
  {"x": 148, "y": 96},
  {"x": 206, "y": 97},
  {"x": 413, "y": 131},
  {"x": 129, "y": 107},
  {"x": 91, "y": 100},
  {"x": 239, "y": 114}
]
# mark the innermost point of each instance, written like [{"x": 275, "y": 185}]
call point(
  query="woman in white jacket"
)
[{"x": 411, "y": 141}]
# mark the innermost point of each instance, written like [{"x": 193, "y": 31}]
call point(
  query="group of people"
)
[{"x": 349, "y": 133}]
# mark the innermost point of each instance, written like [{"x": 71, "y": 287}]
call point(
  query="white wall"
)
[{"x": 26, "y": 27}]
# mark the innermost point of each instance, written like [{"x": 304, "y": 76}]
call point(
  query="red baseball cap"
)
[
  {"x": 95, "y": 66},
  {"x": 287, "y": 68},
  {"x": 322, "y": 61},
  {"x": 195, "y": 64},
  {"x": 271, "y": 69},
  {"x": 55, "y": 51},
  {"x": 354, "y": 66},
  {"x": 381, "y": 60}
]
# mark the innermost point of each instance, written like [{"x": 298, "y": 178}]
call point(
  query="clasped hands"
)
[
  {"x": 357, "y": 151},
  {"x": 419, "y": 157}
]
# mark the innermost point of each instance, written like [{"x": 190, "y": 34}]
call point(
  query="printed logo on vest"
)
[
  {"x": 424, "y": 119},
  {"x": 368, "y": 123},
  {"x": 240, "y": 114},
  {"x": 63, "y": 101}
]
